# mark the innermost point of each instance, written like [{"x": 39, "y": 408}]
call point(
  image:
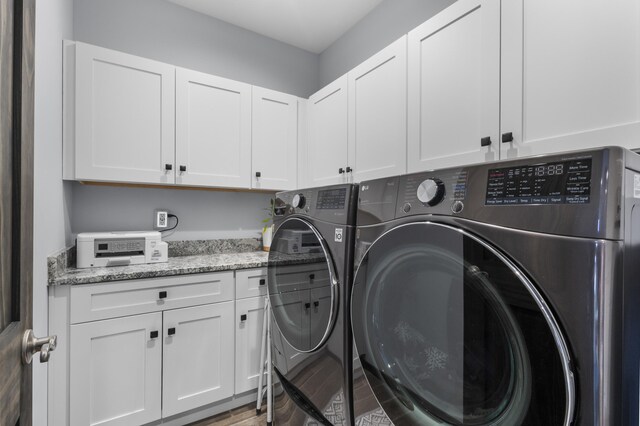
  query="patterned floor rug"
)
[{"x": 374, "y": 418}]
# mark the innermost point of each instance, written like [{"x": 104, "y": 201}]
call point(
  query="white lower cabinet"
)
[
  {"x": 249, "y": 322},
  {"x": 170, "y": 352},
  {"x": 116, "y": 368},
  {"x": 197, "y": 357},
  {"x": 251, "y": 290}
]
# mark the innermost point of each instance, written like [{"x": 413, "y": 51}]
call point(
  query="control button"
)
[
  {"x": 298, "y": 201},
  {"x": 457, "y": 206},
  {"x": 406, "y": 208},
  {"x": 307, "y": 209},
  {"x": 431, "y": 191}
]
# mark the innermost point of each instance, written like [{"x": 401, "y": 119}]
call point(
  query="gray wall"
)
[
  {"x": 52, "y": 198},
  {"x": 382, "y": 26},
  {"x": 164, "y": 31},
  {"x": 202, "y": 214}
]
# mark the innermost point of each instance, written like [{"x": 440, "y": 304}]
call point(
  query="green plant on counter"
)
[{"x": 266, "y": 221}]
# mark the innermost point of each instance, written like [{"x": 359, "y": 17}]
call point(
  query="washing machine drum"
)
[{"x": 448, "y": 331}]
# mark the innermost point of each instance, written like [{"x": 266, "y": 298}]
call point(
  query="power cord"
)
[{"x": 174, "y": 226}]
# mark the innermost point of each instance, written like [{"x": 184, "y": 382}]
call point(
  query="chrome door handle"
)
[{"x": 32, "y": 345}]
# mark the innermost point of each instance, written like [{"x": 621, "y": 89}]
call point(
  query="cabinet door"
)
[
  {"x": 251, "y": 283},
  {"x": 274, "y": 141},
  {"x": 378, "y": 114},
  {"x": 570, "y": 75},
  {"x": 198, "y": 357},
  {"x": 454, "y": 86},
  {"x": 213, "y": 130},
  {"x": 249, "y": 321},
  {"x": 115, "y": 373},
  {"x": 124, "y": 120},
  {"x": 327, "y": 136}
]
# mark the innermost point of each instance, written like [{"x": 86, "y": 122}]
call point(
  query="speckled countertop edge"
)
[
  {"x": 182, "y": 265},
  {"x": 185, "y": 257}
]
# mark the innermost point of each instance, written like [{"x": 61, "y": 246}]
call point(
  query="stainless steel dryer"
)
[
  {"x": 505, "y": 293},
  {"x": 310, "y": 274}
]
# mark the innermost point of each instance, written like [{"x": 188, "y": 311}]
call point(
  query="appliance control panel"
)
[
  {"x": 332, "y": 203},
  {"x": 559, "y": 182}
]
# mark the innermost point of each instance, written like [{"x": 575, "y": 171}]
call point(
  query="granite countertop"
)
[
  {"x": 185, "y": 257},
  {"x": 181, "y": 265}
]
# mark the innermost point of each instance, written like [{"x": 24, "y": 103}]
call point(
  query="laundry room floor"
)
[{"x": 242, "y": 416}]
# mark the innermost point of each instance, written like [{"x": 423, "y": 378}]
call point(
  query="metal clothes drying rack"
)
[{"x": 265, "y": 365}]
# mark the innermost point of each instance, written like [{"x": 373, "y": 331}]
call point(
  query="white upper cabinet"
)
[
  {"x": 213, "y": 130},
  {"x": 274, "y": 146},
  {"x": 327, "y": 136},
  {"x": 454, "y": 86},
  {"x": 570, "y": 75},
  {"x": 122, "y": 116},
  {"x": 378, "y": 114}
]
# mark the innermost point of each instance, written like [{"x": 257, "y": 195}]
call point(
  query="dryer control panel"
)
[{"x": 560, "y": 182}]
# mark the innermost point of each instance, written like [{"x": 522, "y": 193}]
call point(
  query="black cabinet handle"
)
[
  {"x": 263, "y": 281},
  {"x": 183, "y": 168},
  {"x": 340, "y": 170},
  {"x": 243, "y": 317},
  {"x": 316, "y": 303},
  {"x": 153, "y": 334},
  {"x": 171, "y": 331},
  {"x": 312, "y": 276},
  {"x": 258, "y": 174},
  {"x": 349, "y": 169},
  {"x": 162, "y": 295},
  {"x": 507, "y": 137},
  {"x": 485, "y": 141},
  {"x": 307, "y": 305},
  {"x": 168, "y": 167}
]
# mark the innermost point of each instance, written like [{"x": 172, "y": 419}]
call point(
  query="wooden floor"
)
[{"x": 242, "y": 416}]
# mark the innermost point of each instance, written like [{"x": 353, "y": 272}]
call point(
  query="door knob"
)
[{"x": 32, "y": 345}]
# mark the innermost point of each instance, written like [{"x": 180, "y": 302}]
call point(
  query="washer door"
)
[
  {"x": 448, "y": 331},
  {"x": 302, "y": 285}
]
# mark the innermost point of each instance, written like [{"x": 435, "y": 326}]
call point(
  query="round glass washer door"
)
[
  {"x": 302, "y": 285},
  {"x": 448, "y": 331}
]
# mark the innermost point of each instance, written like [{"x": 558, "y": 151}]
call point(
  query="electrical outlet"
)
[{"x": 161, "y": 219}]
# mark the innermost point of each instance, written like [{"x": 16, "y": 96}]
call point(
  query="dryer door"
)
[
  {"x": 448, "y": 331},
  {"x": 302, "y": 285}
]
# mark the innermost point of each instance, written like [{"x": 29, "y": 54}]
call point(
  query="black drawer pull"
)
[
  {"x": 312, "y": 276},
  {"x": 485, "y": 141},
  {"x": 507, "y": 137},
  {"x": 153, "y": 334},
  {"x": 183, "y": 168},
  {"x": 243, "y": 317},
  {"x": 307, "y": 305},
  {"x": 340, "y": 170},
  {"x": 162, "y": 295},
  {"x": 171, "y": 331},
  {"x": 349, "y": 169},
  {"x": 316, "y": 303},
  {"x": 168, "y": 166},
  {"x": 263, "y": 281},
  {"x": 258, "y": 174}
]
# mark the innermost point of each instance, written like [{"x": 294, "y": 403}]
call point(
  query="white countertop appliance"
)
[{"x": 120, "y": 248}]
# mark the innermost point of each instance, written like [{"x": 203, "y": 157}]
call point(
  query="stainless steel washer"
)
[{"x": 500, "y": 294}]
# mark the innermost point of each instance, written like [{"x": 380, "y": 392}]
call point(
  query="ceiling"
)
[{"x": 312, "y": 25}]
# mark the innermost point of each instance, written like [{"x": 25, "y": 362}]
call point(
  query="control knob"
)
[
  {"x": 298, "y": 201},
  {"x": 431, "y": 191}
]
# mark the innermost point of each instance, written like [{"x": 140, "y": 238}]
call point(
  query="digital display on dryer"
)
[
  {"x": 334, "y": 199},
  {"x": 563, "y": 182}
]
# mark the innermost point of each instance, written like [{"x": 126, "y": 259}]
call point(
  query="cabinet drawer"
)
[
  {"x": 251, "y": 283},
  {"x": 96, "y": 302}
]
